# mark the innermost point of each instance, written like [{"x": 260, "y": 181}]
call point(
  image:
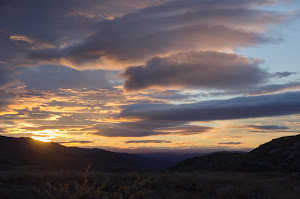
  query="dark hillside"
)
[
  {"x": 282, "y": 154},
  {"x": 26, "y": 153}
]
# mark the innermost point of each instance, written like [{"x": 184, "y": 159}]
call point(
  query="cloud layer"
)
[
  {"x": 145, "y": 128},
  {"x": 235, "y": 108},
  {"x": 171, "y": 27},
  {"x": 212, "y": 70}
]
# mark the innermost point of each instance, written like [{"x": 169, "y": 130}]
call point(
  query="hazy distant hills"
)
[
  {"x": 282, "y": 154},
  {"x": 26, "y": 153}
]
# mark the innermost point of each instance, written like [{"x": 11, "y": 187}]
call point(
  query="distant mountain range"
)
[
  {"x": 282, "y": 154},
  {"x": 26, "y": 153}
]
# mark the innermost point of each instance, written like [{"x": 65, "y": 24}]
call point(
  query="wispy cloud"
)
[
  {"x": 267, "y": 127},
  {"x": 146, "y": 141},
  {"x": 230, "y": 143}
]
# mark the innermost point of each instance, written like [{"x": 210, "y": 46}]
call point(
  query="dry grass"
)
[{"x": 94, "y": 185}]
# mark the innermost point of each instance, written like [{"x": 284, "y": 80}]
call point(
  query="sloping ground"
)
[
  {"x": 26, "y": 153},
  {"x": 282, "y": 154}
]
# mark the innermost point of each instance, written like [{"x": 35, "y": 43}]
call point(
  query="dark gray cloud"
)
[
  {"x": 235, "y": 108},
  {"x": 144, "y": 129},
  {"x": 55, "y": 24},
  {"x": 284, "y": 74},
  {"x": 55, "y": 77},
  {"x": 115, "y": 130},
  {"x": 6, "y": 74},
  {"x": 197, "y": 70},
  {"x": 57, "y": 19},
  {"x": 171, "y": 27},
  {"x": 230, "y": 143},
  {"x": 147, "y": 141},
  {"x": 267, "y": 127}
]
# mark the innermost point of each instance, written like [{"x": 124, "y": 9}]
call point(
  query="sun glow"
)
[
  {"x": 43, "y": 139},
  {"x": 44, "y": 136}
]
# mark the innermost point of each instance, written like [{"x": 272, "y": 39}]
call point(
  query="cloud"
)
[
  {"x": 56, "y": 19},
  {"x": 266, "y": 89},
  {"x": 171, "y": 27},
  {"x": 55, "y": 24},
  {"x": 197, "y": 70},
  {"x": 42, "y": 128},
  {"x": 269, "y": 89},
  {"x": 6, "y": 98},
  {"x": 174, "y": 95},
  {"x": 146, "y": 141},
  {"x": 192, "y": 96},
  {"x": 144, "y": 129},
  {"x": 35, "y": 43},
  {"x": 235, "y": 108},
  {"x": 35, "y": 113},
  {"x": 114, "y": 130},
  {"x": 284, "y": 74},
  {"x": 267, "y": 127},
  {"x": 230, "y": 143},
  {"x": 55, "y": 77},
  {"x": 186, "y": 130},
  {"x": 76, "y": 142},
  {"x": 6, "y": 74}
]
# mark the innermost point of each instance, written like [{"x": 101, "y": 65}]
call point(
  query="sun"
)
[
  {"x": 43, "y": 139},
  {"x": 44, "y": 136}
]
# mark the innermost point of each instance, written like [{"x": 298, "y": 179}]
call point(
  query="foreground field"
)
[{"x": 90, "y": 185}]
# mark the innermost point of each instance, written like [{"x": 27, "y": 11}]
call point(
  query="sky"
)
[{"x": 150, "y": 75}]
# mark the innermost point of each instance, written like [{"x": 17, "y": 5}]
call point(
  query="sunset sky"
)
[{"x": 150, "y": 75}]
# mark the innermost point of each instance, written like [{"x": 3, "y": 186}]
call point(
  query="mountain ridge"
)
[
  {"x": 26, "y": 153},
  {"x": 280, "y": 154}
]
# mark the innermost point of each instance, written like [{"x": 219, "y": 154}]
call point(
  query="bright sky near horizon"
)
[{"x": 150, "y": 75}]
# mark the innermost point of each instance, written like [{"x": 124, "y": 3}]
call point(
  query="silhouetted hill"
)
[
  {"x": 282, "y": 154},
  {"x": 26, "y": 153}
]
